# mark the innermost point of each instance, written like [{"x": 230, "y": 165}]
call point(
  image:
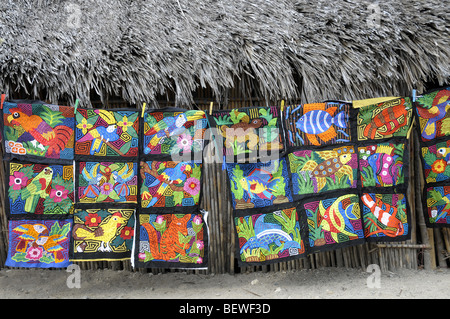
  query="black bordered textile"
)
[
  {"x": 102, "y": 234},
  {"x": 269, "y": 235},
  {"x": 38, "y": 190},
  {"x": 319, "y": 124},
  {"x": 166, "y": 185},
  {"x": 173, "y": 134},
  {"x": 111, "y": 134},
  {"x": 334, "y": 220},
  {"x": 383, "y": 131},
  {"x": 106, "y": 183},
  {"x": 38, "y": 132},
  {"x": 171, "y": 229},
  {"x": 37, "y": 243},
  {"x": 248, "y": 134},
  {"x": 171, "y": 240},
  {"x": 260, "y": 184},
  {"x": 434, "y": 136}
]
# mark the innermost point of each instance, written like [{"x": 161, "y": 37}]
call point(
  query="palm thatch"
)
[{"x": 284, "y": 49}]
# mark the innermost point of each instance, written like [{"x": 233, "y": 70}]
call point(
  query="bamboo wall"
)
[{"x": 427, "y": 248}]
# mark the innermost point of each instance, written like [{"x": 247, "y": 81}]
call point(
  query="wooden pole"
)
[
  {"x": 440, "y": 248},
  {"x": 425, "y": 235}
]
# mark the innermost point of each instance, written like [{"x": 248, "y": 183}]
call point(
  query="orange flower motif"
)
[{"x": 439, "y": 166}]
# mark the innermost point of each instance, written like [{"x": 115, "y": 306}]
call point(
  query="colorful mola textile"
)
[
  {"x": 437, "y": 205},
  {"x": 325, "y": 170},
  {"x": 174, "y": 133},
  {"x": 248, "y": 133},
  {"x": 333, "y": 222},
  {"x": 318, "y": 124},
  {"x": 432, "y": 112},
  {"x": 260, "y": 184},
  {"x": 385, "y": 216},
  {"x": 172, "y": 241},
  {"x": 39, "y": 243},
  {"x": 106, "y": 182},
  {"x": 269, "y": 237},
  {"x": 112, "y": 134},
  {"x": 40, "y": 190},
  {"x": 384, "y": 120},
  {"x": 383, "y": 164},
  {"x": 37, "y": 131},
  {"x": 436, "y": 162},
  {"x": 102, "y": 234},
  {"x": 168, "y": 184}
]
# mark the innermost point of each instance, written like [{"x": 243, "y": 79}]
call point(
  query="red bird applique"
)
[{"x": 36, "y": 129}]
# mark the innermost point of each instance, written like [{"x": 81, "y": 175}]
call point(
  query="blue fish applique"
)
[{"x": 318, "y": 121}]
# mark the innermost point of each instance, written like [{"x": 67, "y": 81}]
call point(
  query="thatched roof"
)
[{"x": 284, "y": 49}]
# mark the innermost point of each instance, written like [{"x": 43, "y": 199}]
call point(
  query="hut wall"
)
[{"x": 427, "y": 248}]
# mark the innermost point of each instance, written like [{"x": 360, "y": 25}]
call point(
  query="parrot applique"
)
[
  {"x": 170, "y": 126},
  {"x": 36, "y": 189},
  {"x": 121, "y": 178},
  {"x": 444, "y": 152},
  {"x": 93, "y": 177},
  {"x": 38, "y": 235},
  {"x": 29, "y": 233},
  {"x": 102, "y": 134},
  {"x": 39, "y": 133},
  {"x": 176, "y": 174},
  {"x": 104, "y": 233}
]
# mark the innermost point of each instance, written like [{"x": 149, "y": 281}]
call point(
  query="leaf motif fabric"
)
[
  {"x": 334, "y": 222},
  {"x": 169, "y": 184},
  {"x": 248, "y": 133},
  {"x": 259, "y": 184},
  {"x": 270, "y": 237},
  {"x": 329, "y": 169},
  {"x": 385, "y": 216},
  {"x": 432, "y": 113},
  {"x": 40, "y": 190},
  {"x": 437, "y": 205}
]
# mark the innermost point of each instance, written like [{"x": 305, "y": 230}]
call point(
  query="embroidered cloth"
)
[
  {"x": 37, "y": 131},
  {"x": 264, "y": 238},
  {"x": 259, "y": 184},
  {"x": 318, "y": 171},
  {"x": 318, "y": 124},
  {"x": 248, "y": 133},
  {"x": 103, "y": 234},
  {"x": 39, "y": 190},
  {"x": 172, "y": 241},
  {"x": 107, "y": 182},
  {"x": 434, "y": 134},
  {"x": 107, "y": 134},
  {"x": 168, "y": 184},
  {"x": 174, "y": 133},
  {"x": 39, "y": 243}
]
